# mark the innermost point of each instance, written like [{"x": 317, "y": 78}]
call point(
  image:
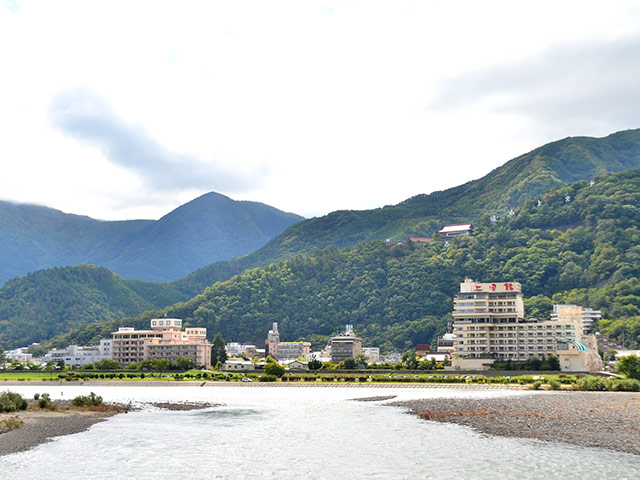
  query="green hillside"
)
[
  {"x": 545, "y": 168},
  {"x": 582, "y": 244},
  {"x": 210, "y": 228},
  {"x": 43, "y": 304}
]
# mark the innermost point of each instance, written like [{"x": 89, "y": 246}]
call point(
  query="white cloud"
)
[{"x": 307, "y": 106}]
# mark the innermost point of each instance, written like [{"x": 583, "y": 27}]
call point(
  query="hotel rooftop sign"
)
[{"x": 506, "y": 287}]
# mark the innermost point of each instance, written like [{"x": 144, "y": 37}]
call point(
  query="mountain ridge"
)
[
  {"x": 209, "y": 228},
  {"x": 550, "y": 166}
]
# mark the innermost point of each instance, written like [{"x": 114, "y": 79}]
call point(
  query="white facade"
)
[
  {"x": 19, "y": 354},
  {"x": 234, "y": 365},
  {"x": 77, "y": 356}
]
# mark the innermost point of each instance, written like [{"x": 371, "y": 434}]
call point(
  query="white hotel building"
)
[{"x": 489, "y": 324}]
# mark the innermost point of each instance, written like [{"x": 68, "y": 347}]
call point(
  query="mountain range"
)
[
  {"x": 210, "y": 228},
  {"x": 508, "y": 186},
  {"x": 322, "y": 272}
]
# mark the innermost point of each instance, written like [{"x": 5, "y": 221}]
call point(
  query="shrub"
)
[
  {"x": 12, "y": 402},
  {"x": 274, "y": 369},
  {"x": 536, "y": 385},
  {"x": 624, "y": 385},
  {"x": 591, "y": 383},
  {"x": 9, "y": 424},
  {"x": 45, "y": 401},
  {"x": 91, "y": 400},
  {"x": 267, "y": 378},
  {"x": 554, "y": 384}
]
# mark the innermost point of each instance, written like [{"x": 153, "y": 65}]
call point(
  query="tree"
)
[
  {"x": 409, "y": 359},
  {"x": 315, "y": 364},
  {"x": 361, "y": 360},
  {"x": 3, "y": 357},
  {"x": 630, "y": 366},
  {"x": 218, "y": 350},
  {"x": 185, "y": 363},
  {"x": 348, "y": 364},
  {"x": 161, "y": 364},
  {"x": 106, "y": 364},
  {"x": 274, "y": 369}
]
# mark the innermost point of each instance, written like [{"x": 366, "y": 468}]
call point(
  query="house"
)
[
  {"x": 297, "y": 365},
  {"x": 237, "y": 365},
  {"x": 459, "y": 230}
]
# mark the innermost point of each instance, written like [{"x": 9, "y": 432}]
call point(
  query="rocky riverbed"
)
[
  {"x": 39, "y": 426},
  {"x": 608, "y": 420}
]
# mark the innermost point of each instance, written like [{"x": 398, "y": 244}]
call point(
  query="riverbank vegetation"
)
[{"x": 558, "y": 381}]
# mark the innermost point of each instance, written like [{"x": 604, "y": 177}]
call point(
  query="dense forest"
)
[
  {"x": 576, "y": 244},
  {"x": 551, "y": 166},
  {"x": 49, "y": 302}
]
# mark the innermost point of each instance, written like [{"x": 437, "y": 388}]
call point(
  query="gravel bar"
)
[
  {"x": 608, "y": 420},
  {"x": 40, "y": 426}
]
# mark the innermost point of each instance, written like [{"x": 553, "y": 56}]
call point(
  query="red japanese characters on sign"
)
[
  {"x": 508, "y": 286},
  {"x": 493, "y": 287},
  {"x": 478, "y": 288}
]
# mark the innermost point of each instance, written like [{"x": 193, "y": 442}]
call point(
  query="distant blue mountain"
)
[{"x": 208, "y": 229}]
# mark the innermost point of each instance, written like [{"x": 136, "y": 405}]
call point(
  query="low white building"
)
[
  {"x": 237, "y": 365},
  {"x": 19, "y": 354},
  {"x": 297, "y": 365},
  {"x": 77, "y": 356}
]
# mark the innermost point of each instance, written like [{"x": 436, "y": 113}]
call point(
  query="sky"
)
[{"x": 128, "y": 109}]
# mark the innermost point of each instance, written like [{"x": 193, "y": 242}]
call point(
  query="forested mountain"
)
[
  {"x": 550, "y": 166},
  {"x": 210, "y": 228},
  {"x": 580, "y": 244},
  {"x": 48, "y": 302}
]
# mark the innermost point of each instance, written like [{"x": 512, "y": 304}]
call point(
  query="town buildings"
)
[
  {"x": 282, "y": 351},
  {"x": 345, "y": 346},
  {"x": 165, "y": 340},
  {"x": 77, "y": 356},
  {"x": 19, "y": 355},
  {"x": 372, "y": 354},
  {"x": 445, "y": 343},
  {"x": 490, "y": 324},
  {"x": 293, "y": 350},
  {"x": 235, "y": 349}
]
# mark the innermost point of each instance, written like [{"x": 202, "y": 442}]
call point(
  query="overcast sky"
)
[{"x": 128, "y": 109}]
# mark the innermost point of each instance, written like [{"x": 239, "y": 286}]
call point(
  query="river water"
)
[{"x": 295, "y": 433}]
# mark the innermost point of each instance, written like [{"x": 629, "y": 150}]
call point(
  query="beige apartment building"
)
[
  {"x": 489, "y": 324},
  {"x": 165, "y": 340},
  {"x": 345, "y": 346},
  {"x": 282, "y": 351}
]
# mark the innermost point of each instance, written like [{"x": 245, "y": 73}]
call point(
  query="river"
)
[{"x": 294, "y": 433}]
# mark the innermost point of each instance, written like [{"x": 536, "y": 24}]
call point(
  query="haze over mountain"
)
[{"x": 210, "y": 228}]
